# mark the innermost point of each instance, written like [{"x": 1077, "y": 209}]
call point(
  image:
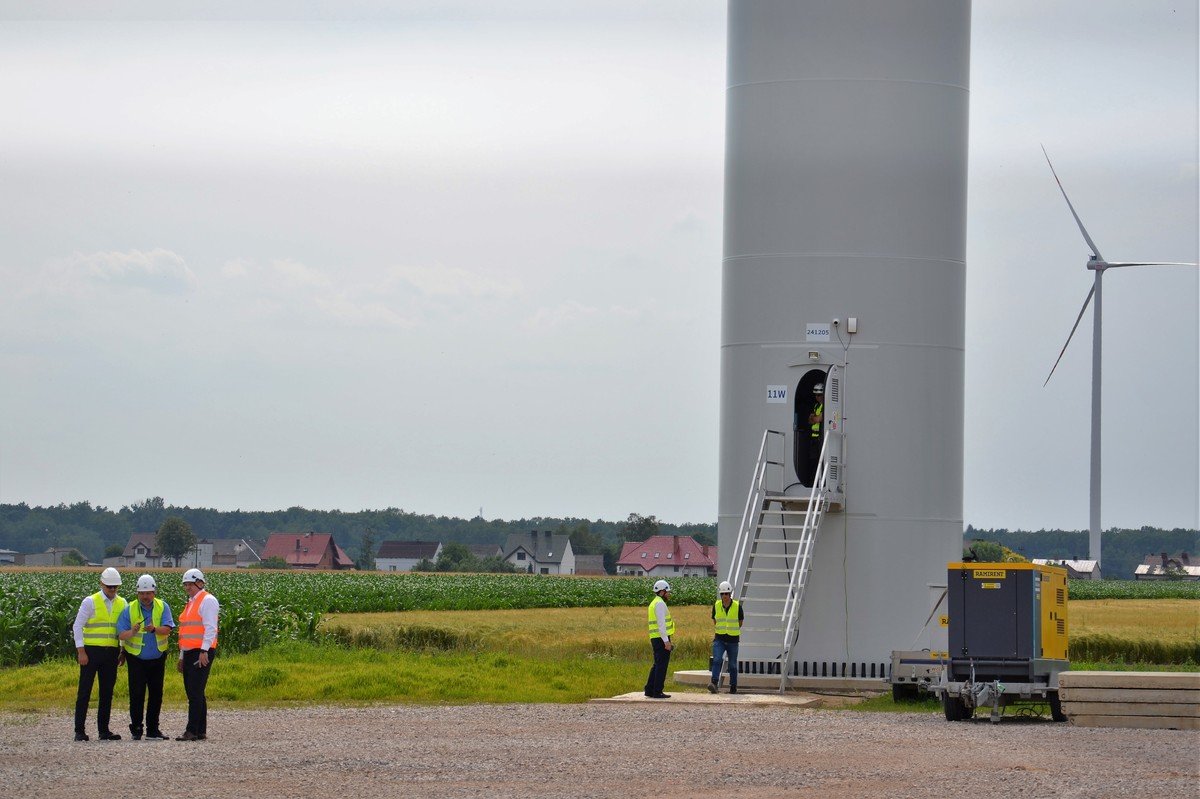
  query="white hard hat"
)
[
  {"x": 110, "y": 576},
  {"x": 193, "y": 576},
  {"x": 146, "y": 583},
  {"x": 662, "y": 585},
  {"x": 819, "y": 388},
  {"x": 725, "y": 588}
]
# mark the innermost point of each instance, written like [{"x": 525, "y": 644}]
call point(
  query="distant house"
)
[
  {"x": 307, "y": 551},
  {"x": 51, "y": 557},
  {"x": 540, "y": 553},
  {"x": 590, "y": 565},
  {"x": 483, "y": 551},
  {"x": 141, "y": 552},
  {"x": 1164, "y": 567},
  {"x": 401, "y": 556},
  {"x": 668, "y": 556},
  {"x": 1076, "y": 569},
  {"x": 224, "y": 553},
  {"x": 8, "y": 557}
]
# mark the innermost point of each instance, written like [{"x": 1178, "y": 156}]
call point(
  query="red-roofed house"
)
[
  {"x": 667, "y": 556},
  {"x": 307, "y": 551}
]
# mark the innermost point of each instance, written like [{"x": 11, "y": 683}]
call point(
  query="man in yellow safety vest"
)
[
  {"x": 98, "y": 652},
  {"x": 144, "y": 628},
  {"x": 727, "y": 616},
  {"x": 661, "y": 627}
]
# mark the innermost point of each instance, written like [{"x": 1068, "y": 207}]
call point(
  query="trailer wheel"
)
[
  {"x": 1056, "y": 711},
  {"x": 954, "y": 708},
  {"x": 905, "y": 692}
]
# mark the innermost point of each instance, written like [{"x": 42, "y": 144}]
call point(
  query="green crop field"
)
[
  {"x": 259, "y": 608},
  {"x": 1133, "y": 589}
]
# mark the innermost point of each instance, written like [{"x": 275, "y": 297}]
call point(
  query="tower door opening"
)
[{"x": 807, "y": 418}]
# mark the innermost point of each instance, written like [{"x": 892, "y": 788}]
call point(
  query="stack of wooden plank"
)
[{"x": 1147, "y": 699}]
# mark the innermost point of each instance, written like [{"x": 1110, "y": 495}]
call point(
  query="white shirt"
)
[{"x": 87, "y": 609}]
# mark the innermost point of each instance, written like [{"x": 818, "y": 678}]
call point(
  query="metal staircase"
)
[{"x": 772, "y": 558}]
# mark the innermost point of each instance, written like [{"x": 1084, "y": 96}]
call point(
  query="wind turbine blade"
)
[
  {"x": 1078, "y": 221},
  {"x": 1074, "y": 327},
  {"x": 1148, "y": 263}
]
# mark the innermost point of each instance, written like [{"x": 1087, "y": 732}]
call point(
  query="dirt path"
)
[{"x": 668, "y": 750}]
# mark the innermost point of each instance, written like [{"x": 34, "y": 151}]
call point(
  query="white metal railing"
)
[
  {"x": 818, "y": 503},
  {"x": 754, "y": 506}
]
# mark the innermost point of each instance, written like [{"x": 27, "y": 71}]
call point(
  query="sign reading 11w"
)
[{"x": 777, "y": 394}]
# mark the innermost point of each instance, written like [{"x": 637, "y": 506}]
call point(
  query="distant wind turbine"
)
[{"x": 1097, "y": 264}]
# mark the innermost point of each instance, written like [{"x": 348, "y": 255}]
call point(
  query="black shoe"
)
[
  {"x": 188, "y": 735},
  {"x": 733, "y": 689},
  {"x": 660, "y": 696},
  {"x": 109, "y": 736},
  {"x": 135, "y": 733},
  {"x": 712, "y": 687},
  {"x": 156, "y": 734},
  {"x": 79, "y": 736}
]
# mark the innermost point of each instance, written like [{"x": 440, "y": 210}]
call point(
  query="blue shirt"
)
[{"x": 150, "y": 649}]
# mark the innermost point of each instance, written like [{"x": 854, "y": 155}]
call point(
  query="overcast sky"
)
[{"x": 447, "y": 256}]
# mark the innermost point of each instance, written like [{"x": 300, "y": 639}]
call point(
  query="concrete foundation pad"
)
[
  {"x": 691, "y": 698},
  {"x": 770, "y": 682}
]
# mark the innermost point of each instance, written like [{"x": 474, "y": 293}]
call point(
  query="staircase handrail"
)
[
  {"x": 754, "y": 504},
  {"x": 816, "y": 497},
  {"x": 818, "y": 502}
]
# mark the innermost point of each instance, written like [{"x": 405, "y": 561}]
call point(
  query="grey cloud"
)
[{"x": 160, "y": 271}]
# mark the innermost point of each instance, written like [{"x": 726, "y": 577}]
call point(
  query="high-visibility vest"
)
[
  {"x": 816, "y": 427},
  {"x": 191, "y": 628},
  {"x": 654, "y": 619},
  {"x": 101, "y": 628},
  {"x": 727, "y": 620},
  {"x": 133, "y": 645}
]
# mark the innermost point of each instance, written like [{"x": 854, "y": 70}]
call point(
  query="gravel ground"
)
[{"x": 598, "y": 750}]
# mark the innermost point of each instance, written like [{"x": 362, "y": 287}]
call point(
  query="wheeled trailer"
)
[{"x": 1007, "y": 638}]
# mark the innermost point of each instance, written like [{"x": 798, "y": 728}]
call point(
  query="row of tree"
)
[
  {"x": 1123, "y": 549},
  {"x": 97, "y": 531}
]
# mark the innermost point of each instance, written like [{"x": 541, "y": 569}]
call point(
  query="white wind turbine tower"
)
[{"x": 1098, "y": 265}]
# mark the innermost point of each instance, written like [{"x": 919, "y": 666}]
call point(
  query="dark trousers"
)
[
  {"x": 720, "y": 650},
  {"x": 658, "y": 672},
  {"x": 145, "y": 678},
  {"x": 102, "y": 663},
  {"x": 195, "y": 679}
]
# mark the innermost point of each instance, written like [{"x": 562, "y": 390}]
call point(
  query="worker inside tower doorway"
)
[
  {"x": 808, "y": 425},
  {"x": 813, "y": 428}
]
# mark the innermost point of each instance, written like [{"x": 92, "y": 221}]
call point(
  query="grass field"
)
[
  {"x": 1164, "y": 619},
  {"x": 560, "y": 655},
  {"x": 262, "y": 608}
]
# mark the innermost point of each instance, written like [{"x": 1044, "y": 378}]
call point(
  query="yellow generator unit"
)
[{"x": 1007, "y": 636}]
